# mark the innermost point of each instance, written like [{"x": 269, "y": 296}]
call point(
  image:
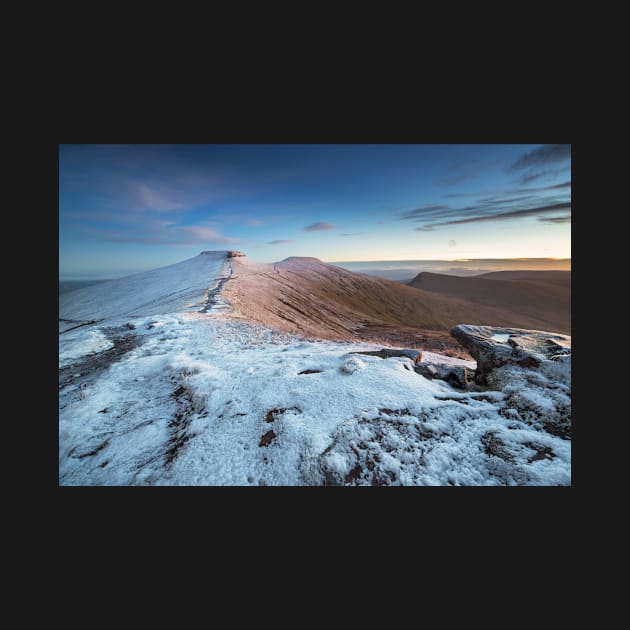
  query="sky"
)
[{"x": 129, "y": 208}]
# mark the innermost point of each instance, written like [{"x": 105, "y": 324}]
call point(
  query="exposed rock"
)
[
  {"x": 234, "y": 254},
  {"x": 494, "y": 446},
  {"x": 386, "y": 353},
  {"x": 274, "y": 414},
  {"x": 427, "y": 370},
  {"x": 456, "y": 377},
  {"x": 268, "y": 438},
  {"x": 495, "y": 347}
]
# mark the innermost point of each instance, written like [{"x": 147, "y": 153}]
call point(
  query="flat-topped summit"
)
[{"x": 300, "y": 259}]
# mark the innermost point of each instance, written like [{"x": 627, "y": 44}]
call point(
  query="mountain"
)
[
  {"x": 202, "y": 373},
  {"x": 523, "y": 299}
]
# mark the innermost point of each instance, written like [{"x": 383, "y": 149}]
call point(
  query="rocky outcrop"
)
[{"x": 495, "y": 347}]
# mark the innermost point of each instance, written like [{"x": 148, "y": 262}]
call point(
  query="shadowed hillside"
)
[{"x": 536, "y": 299}]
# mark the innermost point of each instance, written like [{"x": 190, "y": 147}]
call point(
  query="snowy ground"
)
[
  {"x": 194, "y": 397},
  {"x": 193, "y": 403}
]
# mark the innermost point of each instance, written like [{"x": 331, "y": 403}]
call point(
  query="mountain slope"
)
[
  {"x": 169, "y": 289},
  {"x": 314, "y": 298},
  {"x": 525, "y": 299}
]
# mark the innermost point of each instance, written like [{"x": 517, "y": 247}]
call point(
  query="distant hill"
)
[
  {"x": 71, "y": 285},
  {"x": 557, "y": 277},
  {"x": 535, "y": 299}
]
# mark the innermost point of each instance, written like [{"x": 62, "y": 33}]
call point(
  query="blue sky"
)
[{"x": 128, "y": 208}]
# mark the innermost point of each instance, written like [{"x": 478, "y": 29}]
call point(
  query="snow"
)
[
  {"x": 207, "y": 399},
  {"x": 500, "y": 337},
  {"x": 410, "y": 430},
  {"x": 78, "y": 343}
]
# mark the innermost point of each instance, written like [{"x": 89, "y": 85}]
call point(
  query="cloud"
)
[
  {"x": 318, "y": 227},
  {"x": 461, "y": 171},
  {"x": 352, "y": 234},
  {"x": 279, "y": 241},
  {"x": 152, "y": 199},
  {"x": 452, "y": 243},
  {"x": 536, "y": 164},
  {"x": 502, "y": 205},
  {"x": 422, "y": 211},
  {"x": 511, "y": 191},
  {"x": 556, "y": 220},
  {"x": 513, "y": 214},
  {"x": 547, "y": 154},
  {"x": 534, "y": 175},
  {"x": 566, "y": 184},
  {"x": 167, "y": 233}
]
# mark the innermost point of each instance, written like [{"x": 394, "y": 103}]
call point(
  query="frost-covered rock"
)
[
  {"x": 494, "y": 347},
  {"x": 352, "y": 365},
  {"x": 455, "y": 375}
]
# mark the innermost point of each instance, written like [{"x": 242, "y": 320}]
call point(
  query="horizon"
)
[
  {"x": 125, "y": 209},
  {"x": 475, "y": 265}
]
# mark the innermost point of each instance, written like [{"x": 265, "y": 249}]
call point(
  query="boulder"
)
[{"x": 494, "y": 347}]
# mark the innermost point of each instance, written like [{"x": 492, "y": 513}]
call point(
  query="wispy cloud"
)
[
  {"x": 556, "y": 220},
  {"x": 167, "y": 233},
  {"x": 351, "y": 233},
  {"x": 547, "y": 173},
  {"x": 514, "y": 214},
  {"x": 547, "y": 154},
  {"x": 318, "y": 227},
  {"x": 510, "y": 191},
  {"x": 279, "y": 241},
  {"x": 153, "y": 199},
  {"x": 422, "y": 211},
  {"x": 488, "y": 209},
  {"x": 536, "y": 164},
  {"x": 462, "y": 171}
]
